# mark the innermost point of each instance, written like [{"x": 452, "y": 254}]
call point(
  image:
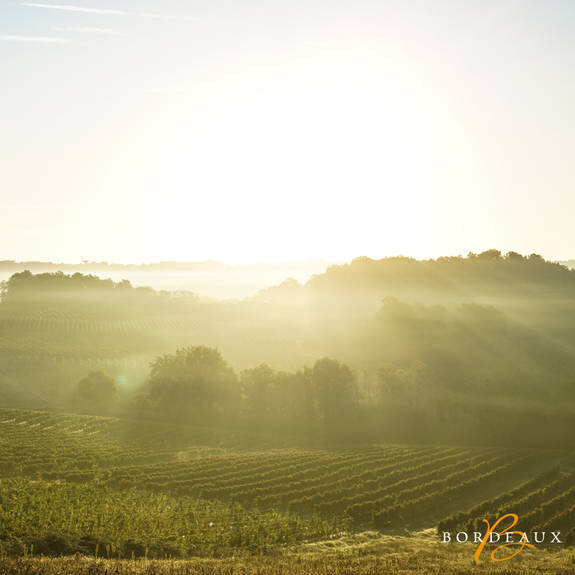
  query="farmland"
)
[
  {"x": 342, "y": 439},
  {"x": 72, "y": 483},
  {"x": 365, "y": 554},
  {"x": 544, "y": 503}
]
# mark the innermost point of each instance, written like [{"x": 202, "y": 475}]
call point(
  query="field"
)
[
  {"x": 364, "y": 554},
  {"x": 60, "y": 336},
  {"x": 544, "y": 503},
  {"x": 115, "y": 489}
]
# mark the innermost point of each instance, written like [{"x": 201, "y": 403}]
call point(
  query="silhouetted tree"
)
[
  {"x": 335, "y": 391},
  {"x": 257, "y": 387},
  {"x": 490, "y": 255},
  {"x": 514, "y": 256},
  {"x": 98, "y": 388},
  {"x": 195, "y": 383}
]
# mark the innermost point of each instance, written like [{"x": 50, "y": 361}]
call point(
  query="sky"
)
[{"x": 247, "y": 131}]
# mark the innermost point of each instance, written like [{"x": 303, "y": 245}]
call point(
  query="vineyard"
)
[
  {"x": 45, "y": 351},
  {"x": 101, "y": 486},
  {"x": 544, "y": 503},
  {"x": 66, "y": 336}
]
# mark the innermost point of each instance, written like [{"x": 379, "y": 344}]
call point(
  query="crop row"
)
[{"x": 544, "y": 502}]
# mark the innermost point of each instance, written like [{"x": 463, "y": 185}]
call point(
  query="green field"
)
[
  {"x": 112, "y": 488},
  {"x": 335, "y": 427}
]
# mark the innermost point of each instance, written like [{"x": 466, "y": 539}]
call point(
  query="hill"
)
[
  {"x": 472, "y": 348},
  {"x": 71, "y": 483}
]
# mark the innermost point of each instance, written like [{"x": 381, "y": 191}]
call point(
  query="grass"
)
[
  {"x": 361, "y": 554},
  {"x": 103, "y": 495}
]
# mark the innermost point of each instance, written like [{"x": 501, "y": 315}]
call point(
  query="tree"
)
[
  {"x": 406, "y": 401},
  {"x": 257, "y": 386},
  {"x": 490, "y": 255},
  {"x": 334, "y": 389},
  {"x": 195, "y": 382},
  {"x": 98, "y": 388},
  {"x": 536, "y": 258}
]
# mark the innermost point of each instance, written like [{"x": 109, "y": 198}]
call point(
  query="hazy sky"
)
[{"x": 243, "y": 130}]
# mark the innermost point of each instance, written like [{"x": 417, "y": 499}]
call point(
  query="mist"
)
[{"x": 433, "y": 350}]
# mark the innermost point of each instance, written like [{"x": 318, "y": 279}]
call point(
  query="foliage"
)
[
  {"x": 98, "y": 387},
  {"x": 71, "y": 483},
  {"x": 195, "y": 382}
]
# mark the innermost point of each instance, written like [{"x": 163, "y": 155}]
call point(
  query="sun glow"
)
[
  {"x": 280, "y": 133},
  {"x": 307, "y": 156}
]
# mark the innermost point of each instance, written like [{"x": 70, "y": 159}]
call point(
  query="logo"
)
[{"x": 508, "y": 540}]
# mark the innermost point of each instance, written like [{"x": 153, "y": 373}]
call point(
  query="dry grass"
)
[{"x": 364, "y": 554}]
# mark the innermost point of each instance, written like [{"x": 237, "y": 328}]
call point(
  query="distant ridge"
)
[{"x": 205, "y": 265}]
